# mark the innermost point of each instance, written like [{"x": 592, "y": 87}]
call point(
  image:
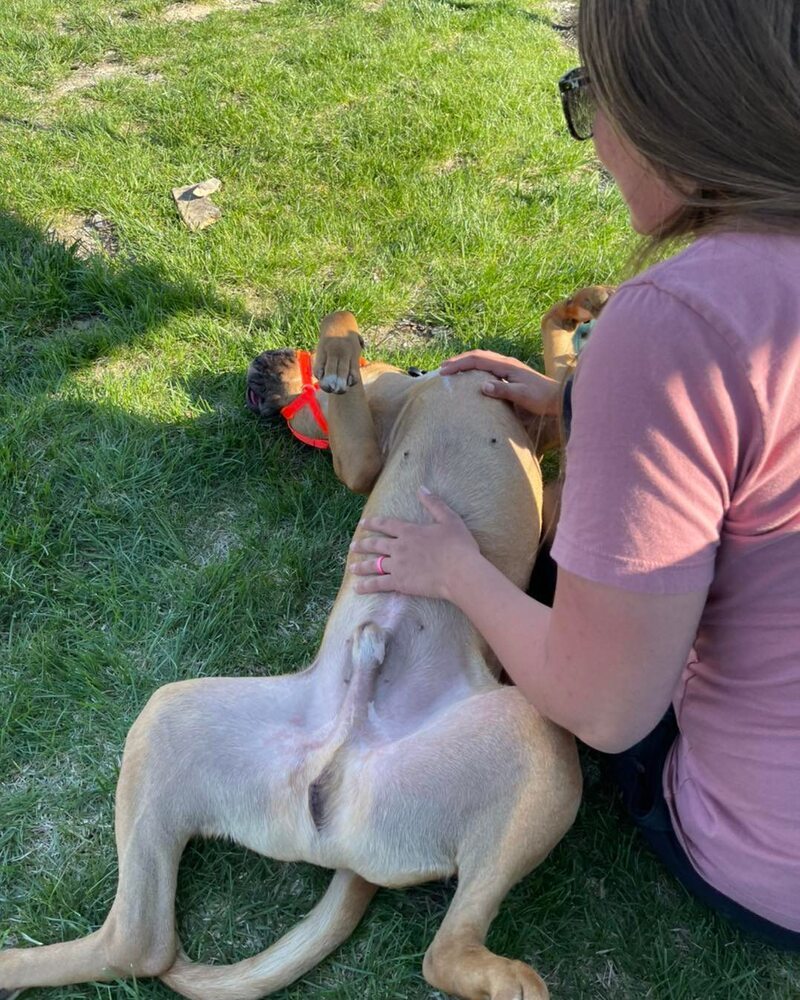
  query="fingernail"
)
[
  {"x": 425, "y": 490},
  {"x": 352, "y": 545},
  {"x": 488, "y": 388}
]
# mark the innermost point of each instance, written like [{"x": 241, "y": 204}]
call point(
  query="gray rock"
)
[{"x": 195, "y": 206}]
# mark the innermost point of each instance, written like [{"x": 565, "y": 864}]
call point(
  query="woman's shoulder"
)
[
  {"x": 724, "y": 313},
  {"x": 746, "y": 286},
  {"x": 727, "y": 254}
]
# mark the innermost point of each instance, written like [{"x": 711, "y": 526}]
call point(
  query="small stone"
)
[
  {"x": 197, "y": 211},
  {"x": 205, "y": 188}
]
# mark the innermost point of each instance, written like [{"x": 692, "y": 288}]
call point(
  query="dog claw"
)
[{"x": 334, "y": 384}]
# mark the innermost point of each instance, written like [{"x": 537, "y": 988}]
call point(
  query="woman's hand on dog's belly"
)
[
  {"x": 513, "y": 381},
  {"x": 422, "y": 560}
]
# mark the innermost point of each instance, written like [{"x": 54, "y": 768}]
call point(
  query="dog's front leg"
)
[
  {"x": 357, "y": 457},
  {"x": 560, "y": 322}
]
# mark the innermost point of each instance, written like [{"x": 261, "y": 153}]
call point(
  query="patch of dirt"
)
[
  {"x": 200, "y": 11},
  {"x": 132, "y": 128},
  {"x": 88, "y": 76},
  {"x": 88, "y": 234},
  {"x": 111, "y": 66},
  {"x": 457, "y": 162},
  {"x": 256, "y": 301},
  {"x": 565, "y": 21},
  {"x": 87, "y": 322},
  {"x": 215, "y": 538},
  {"x": 605, "y": 181},
  {"x": 405, "y": 334}
]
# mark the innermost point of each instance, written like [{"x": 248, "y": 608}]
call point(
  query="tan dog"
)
[{"x": 395, "y": 758}]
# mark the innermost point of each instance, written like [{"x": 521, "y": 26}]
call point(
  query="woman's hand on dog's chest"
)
[
  {"x": 511, "y": 380},
  {"x": 421, "y": 560}
]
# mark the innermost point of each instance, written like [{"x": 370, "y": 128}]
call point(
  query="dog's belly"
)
[
  {"x": 399, "y": 808},
  {"x": 317, "y": 795}
]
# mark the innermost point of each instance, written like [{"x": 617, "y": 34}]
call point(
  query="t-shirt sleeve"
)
[{"x": 658, "y": 406}]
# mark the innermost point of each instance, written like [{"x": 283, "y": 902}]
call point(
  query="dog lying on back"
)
[{"x": 396, "y": 757}]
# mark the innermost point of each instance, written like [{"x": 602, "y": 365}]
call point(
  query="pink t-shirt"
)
[{"x": 683, "y": 471}]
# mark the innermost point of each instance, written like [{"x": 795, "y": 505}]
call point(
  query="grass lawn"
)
[{"x": 403, "y": 159}]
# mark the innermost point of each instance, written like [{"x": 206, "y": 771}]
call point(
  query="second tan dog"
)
[{"x": 395, "y": 758}]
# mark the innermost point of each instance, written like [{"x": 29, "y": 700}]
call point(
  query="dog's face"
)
[{"x": 273, "y": 378}]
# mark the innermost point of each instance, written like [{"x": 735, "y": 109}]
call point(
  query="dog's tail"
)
[{"x": 331, "y": 922}]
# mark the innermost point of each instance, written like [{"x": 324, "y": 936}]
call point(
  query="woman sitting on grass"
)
[{"x": 678, "y": 545}]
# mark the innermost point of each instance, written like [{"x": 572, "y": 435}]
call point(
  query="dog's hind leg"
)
[
  {"x": 330, "y": 923},
  {"x": 536, "y": 794},
  {"x": 138, "y": 936},
  {"x": 457, "y": 961}
]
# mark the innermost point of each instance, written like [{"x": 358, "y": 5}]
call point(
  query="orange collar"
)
[{"x": 308, "y": 397}]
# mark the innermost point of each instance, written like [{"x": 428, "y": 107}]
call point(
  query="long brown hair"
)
[{"x": 708, "y": 91}]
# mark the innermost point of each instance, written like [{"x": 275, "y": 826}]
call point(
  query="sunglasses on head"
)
[{"x": 577, "y": 103}]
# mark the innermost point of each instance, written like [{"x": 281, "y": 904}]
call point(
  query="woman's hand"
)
[
  {"x": 422, "y": 560},
  {"x": 513, "y": 381}
]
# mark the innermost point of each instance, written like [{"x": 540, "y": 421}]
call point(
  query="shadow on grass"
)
[
  {"x": 481, "y": 5},
  {"x": 59, "y": 310}
]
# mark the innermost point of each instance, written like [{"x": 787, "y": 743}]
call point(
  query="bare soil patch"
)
[
  {"x": 88, "y": 234},
  {"x": 177, "y": 12},
  {"x": 214, "y": 539},
  {"x": 88, "y": 76},
  {"x": 565, "y": 21},
  {"x": 406, "y": 334},
  {"x": 457, "y": 162},
  {"x": 111, "y": 66}
]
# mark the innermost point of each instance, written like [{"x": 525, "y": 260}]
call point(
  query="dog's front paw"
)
[
  {"x": 592, "y": 298},
  {"x": 338, "y": 353}
]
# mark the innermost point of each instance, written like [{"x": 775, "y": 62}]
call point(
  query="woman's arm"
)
[{"x": 603, "y": 663}]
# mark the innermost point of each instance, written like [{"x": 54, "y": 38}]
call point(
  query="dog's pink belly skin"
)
[
  {"x": 403, "y": 805},
  {"x": 286, "y": 758},
  {"x": 259, "y": 743},
  {"x": 407, "y": 805},
  {"x": 418, "y": 739}
]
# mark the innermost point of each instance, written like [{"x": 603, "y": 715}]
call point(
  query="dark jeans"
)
[{"x": 637, "y": 774}]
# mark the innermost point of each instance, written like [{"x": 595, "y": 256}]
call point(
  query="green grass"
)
[{"x": 404, "y": 160}]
